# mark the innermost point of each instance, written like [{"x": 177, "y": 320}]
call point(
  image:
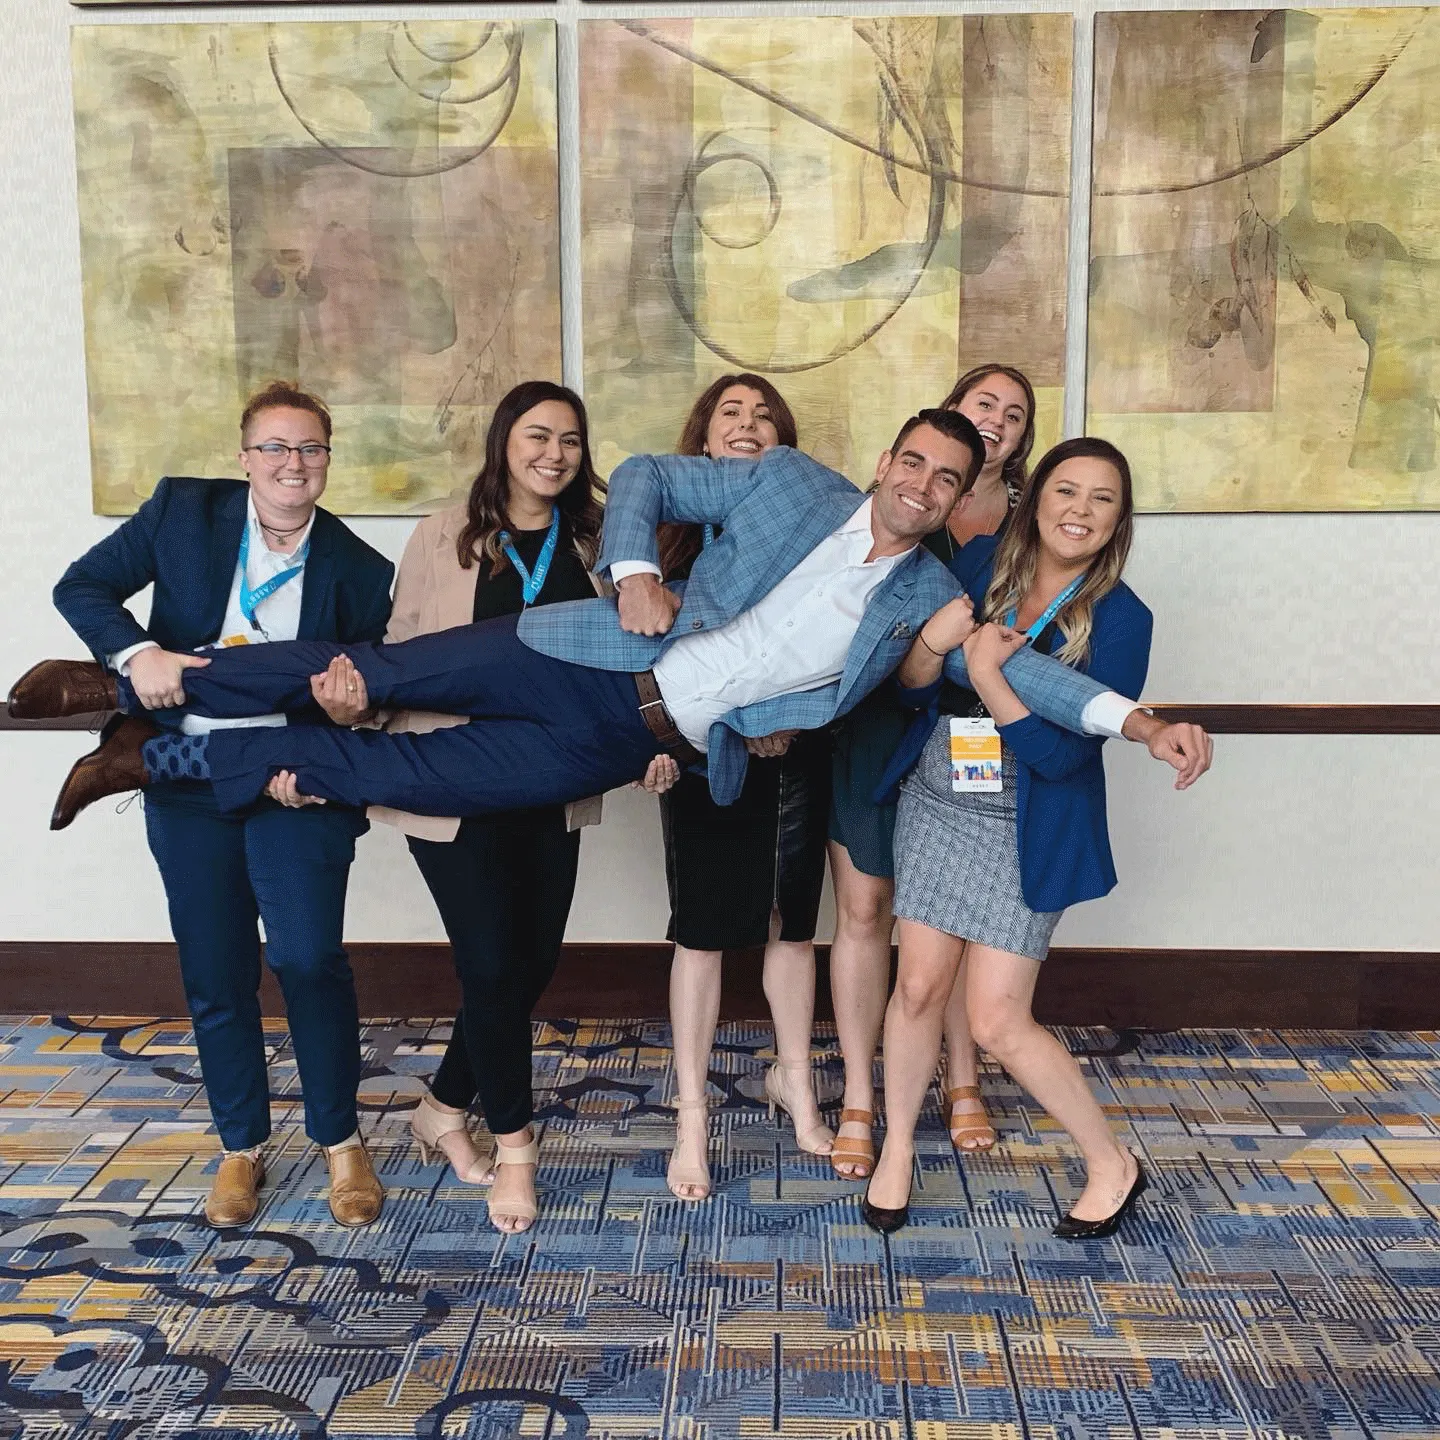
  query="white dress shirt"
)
[
  {"x": 278, "y": 616},
  {"x": 795, "y": 638}
]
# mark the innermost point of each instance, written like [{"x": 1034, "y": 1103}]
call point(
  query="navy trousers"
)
[
  {"x": 544, "y": 731},
  {"x": 222, "y": 872}
]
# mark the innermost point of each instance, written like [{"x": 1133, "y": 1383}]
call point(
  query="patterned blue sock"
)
[
  {"x": 176, "y": 757},
  {"x": 128, "y": 701}
]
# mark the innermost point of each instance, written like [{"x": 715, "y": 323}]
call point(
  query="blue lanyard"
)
[
  {"x": 251, "y": 600},
  {"x": 1051, "y": 610},
  {"x": 531, "y": 583},
  {"x": 709, "y": 535}
]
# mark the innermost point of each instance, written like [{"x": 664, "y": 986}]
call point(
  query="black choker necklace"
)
[{"x": 282, "y": 534}]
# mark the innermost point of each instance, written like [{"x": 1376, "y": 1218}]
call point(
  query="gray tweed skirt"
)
[{"x": 957, "y": 858}]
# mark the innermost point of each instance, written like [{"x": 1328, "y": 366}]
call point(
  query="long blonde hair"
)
[{"x": 1019, "y": 552}]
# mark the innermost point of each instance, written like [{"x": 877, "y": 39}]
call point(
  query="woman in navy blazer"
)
[
  {"x": 235, "y": 562},
  {"x": 983, "y": 874}
]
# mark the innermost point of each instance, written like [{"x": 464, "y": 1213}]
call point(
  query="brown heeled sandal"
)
[
  {"x": 972, "y": 1136},
  {"x": 853, "y": 1149}
]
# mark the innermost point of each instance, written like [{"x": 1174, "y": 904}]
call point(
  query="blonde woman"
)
[{"x": 987, "y": 863}]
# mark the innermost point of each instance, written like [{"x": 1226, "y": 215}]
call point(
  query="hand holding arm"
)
[
  {"x": 646, "y": 606},
  {"x": 950, "y": 626},
  {"x": 986, "y": 652}
]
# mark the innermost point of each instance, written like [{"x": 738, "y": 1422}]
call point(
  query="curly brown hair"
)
[{"x": 680, "y": 544}]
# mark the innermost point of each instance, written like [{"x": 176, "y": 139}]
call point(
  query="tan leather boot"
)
[
  {"x": 233, "y": 1197},
  {"x": 355, "y": 1193},
  {"x": 111, "y": 769}
]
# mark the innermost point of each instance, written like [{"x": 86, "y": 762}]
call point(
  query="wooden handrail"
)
[
  {"x": 1217, "y": 719},
  {"x": 1309, "y": 719}
]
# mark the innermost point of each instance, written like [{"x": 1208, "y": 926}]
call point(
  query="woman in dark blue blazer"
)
[
  {"x": 1001, "y": 823},
  {"x": 242, "y": 563}
]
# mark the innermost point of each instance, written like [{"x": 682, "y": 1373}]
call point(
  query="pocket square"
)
[{"x": 902, "y": 630}]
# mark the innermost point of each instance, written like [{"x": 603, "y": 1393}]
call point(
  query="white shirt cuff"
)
[
  {"x": 1106, "y": 715},
  {"x": 624, "y": 569},
  {"x": 119, "y": 662}
]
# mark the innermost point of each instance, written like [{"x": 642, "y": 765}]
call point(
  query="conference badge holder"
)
[{"x": 975, "y": 755}]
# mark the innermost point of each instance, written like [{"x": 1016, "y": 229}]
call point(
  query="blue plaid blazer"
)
[{"x": 775, "y": 511}]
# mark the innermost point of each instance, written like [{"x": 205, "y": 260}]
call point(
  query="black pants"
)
[{"x": 503, "y": 887}]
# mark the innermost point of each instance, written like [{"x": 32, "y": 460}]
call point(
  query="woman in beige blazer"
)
[{"x": 527, "y": 534}]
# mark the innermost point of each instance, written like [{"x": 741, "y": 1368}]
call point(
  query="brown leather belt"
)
[{"x": 659, "y": 722}]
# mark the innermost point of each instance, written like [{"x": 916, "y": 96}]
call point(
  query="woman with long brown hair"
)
[
  {"x": 747, "y": 874},
  {"x": 1001, "y": 822},
  {"x": 1000, "y": 402},
  {"x": 526, "y": 535}
]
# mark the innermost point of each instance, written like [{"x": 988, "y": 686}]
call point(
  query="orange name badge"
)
[
  {"x": 228, "y": 640},
  {"x": 975, "y": 755}
]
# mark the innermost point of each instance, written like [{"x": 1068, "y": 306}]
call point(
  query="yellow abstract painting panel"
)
[
  {"x": 858, "y": 209},
  {"x": 369, "y": 209},
  {"x": 1265, "y": 257}
]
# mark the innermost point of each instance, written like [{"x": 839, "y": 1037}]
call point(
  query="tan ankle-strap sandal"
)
[
  {"x": 525, "y": 1210},
  {"x": 969, "y": 1133},
  {"x": 855, "y": 1150}
]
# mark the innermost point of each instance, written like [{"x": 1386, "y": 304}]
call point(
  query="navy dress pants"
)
[
  {"x": 544, "y": 731},
  {"x": 222, "y": 872}
]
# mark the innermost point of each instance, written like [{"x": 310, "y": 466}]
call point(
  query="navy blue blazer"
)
[
  {"x": 1060, "y": 783},
  {"x": 186, "y": 538}
]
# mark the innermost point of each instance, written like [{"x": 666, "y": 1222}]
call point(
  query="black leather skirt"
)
[{"x": 729, "y": 866}]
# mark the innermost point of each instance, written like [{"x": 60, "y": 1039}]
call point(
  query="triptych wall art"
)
[{"x": 858, "y": 208}]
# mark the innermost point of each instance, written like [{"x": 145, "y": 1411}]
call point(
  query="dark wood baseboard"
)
[{"x": 1120, "y": 988}]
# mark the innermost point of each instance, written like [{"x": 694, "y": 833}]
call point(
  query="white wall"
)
[{"x": 1290, "y": 842}]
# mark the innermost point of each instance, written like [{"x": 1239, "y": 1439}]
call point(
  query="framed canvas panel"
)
[
  {"x": 367, "y": 208},
  {"x": 1265, "y": 222},
  {"x": 859, "y": 209}
]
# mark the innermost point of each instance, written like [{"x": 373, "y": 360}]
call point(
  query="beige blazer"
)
[{"x": 433, "y": 593}]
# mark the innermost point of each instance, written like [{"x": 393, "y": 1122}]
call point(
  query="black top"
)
[{"x": 503, "y": 594}]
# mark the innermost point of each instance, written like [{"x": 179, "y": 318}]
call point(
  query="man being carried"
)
[{"x": 805, "y": 603}]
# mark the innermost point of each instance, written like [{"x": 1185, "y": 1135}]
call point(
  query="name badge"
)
[{"x": 975, "y": 755}]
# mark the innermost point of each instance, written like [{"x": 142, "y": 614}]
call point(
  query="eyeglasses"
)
[{"x": 310, "y": 454}]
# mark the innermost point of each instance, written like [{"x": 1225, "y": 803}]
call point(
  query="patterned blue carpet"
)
[{"x": 1281, "y": 1279}]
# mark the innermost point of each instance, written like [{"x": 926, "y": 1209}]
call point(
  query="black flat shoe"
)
[
  {"x": 1072, "y": 1229},
  {"x": 887, "y": 1222}
]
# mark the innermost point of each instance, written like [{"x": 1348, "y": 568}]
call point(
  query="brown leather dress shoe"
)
[
  {"x": 355, "y": 1193},
  {"x": 112, "y": 768},
  {"x": 63, "y": 687},
  {"x": 233, "y": 1199}
]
